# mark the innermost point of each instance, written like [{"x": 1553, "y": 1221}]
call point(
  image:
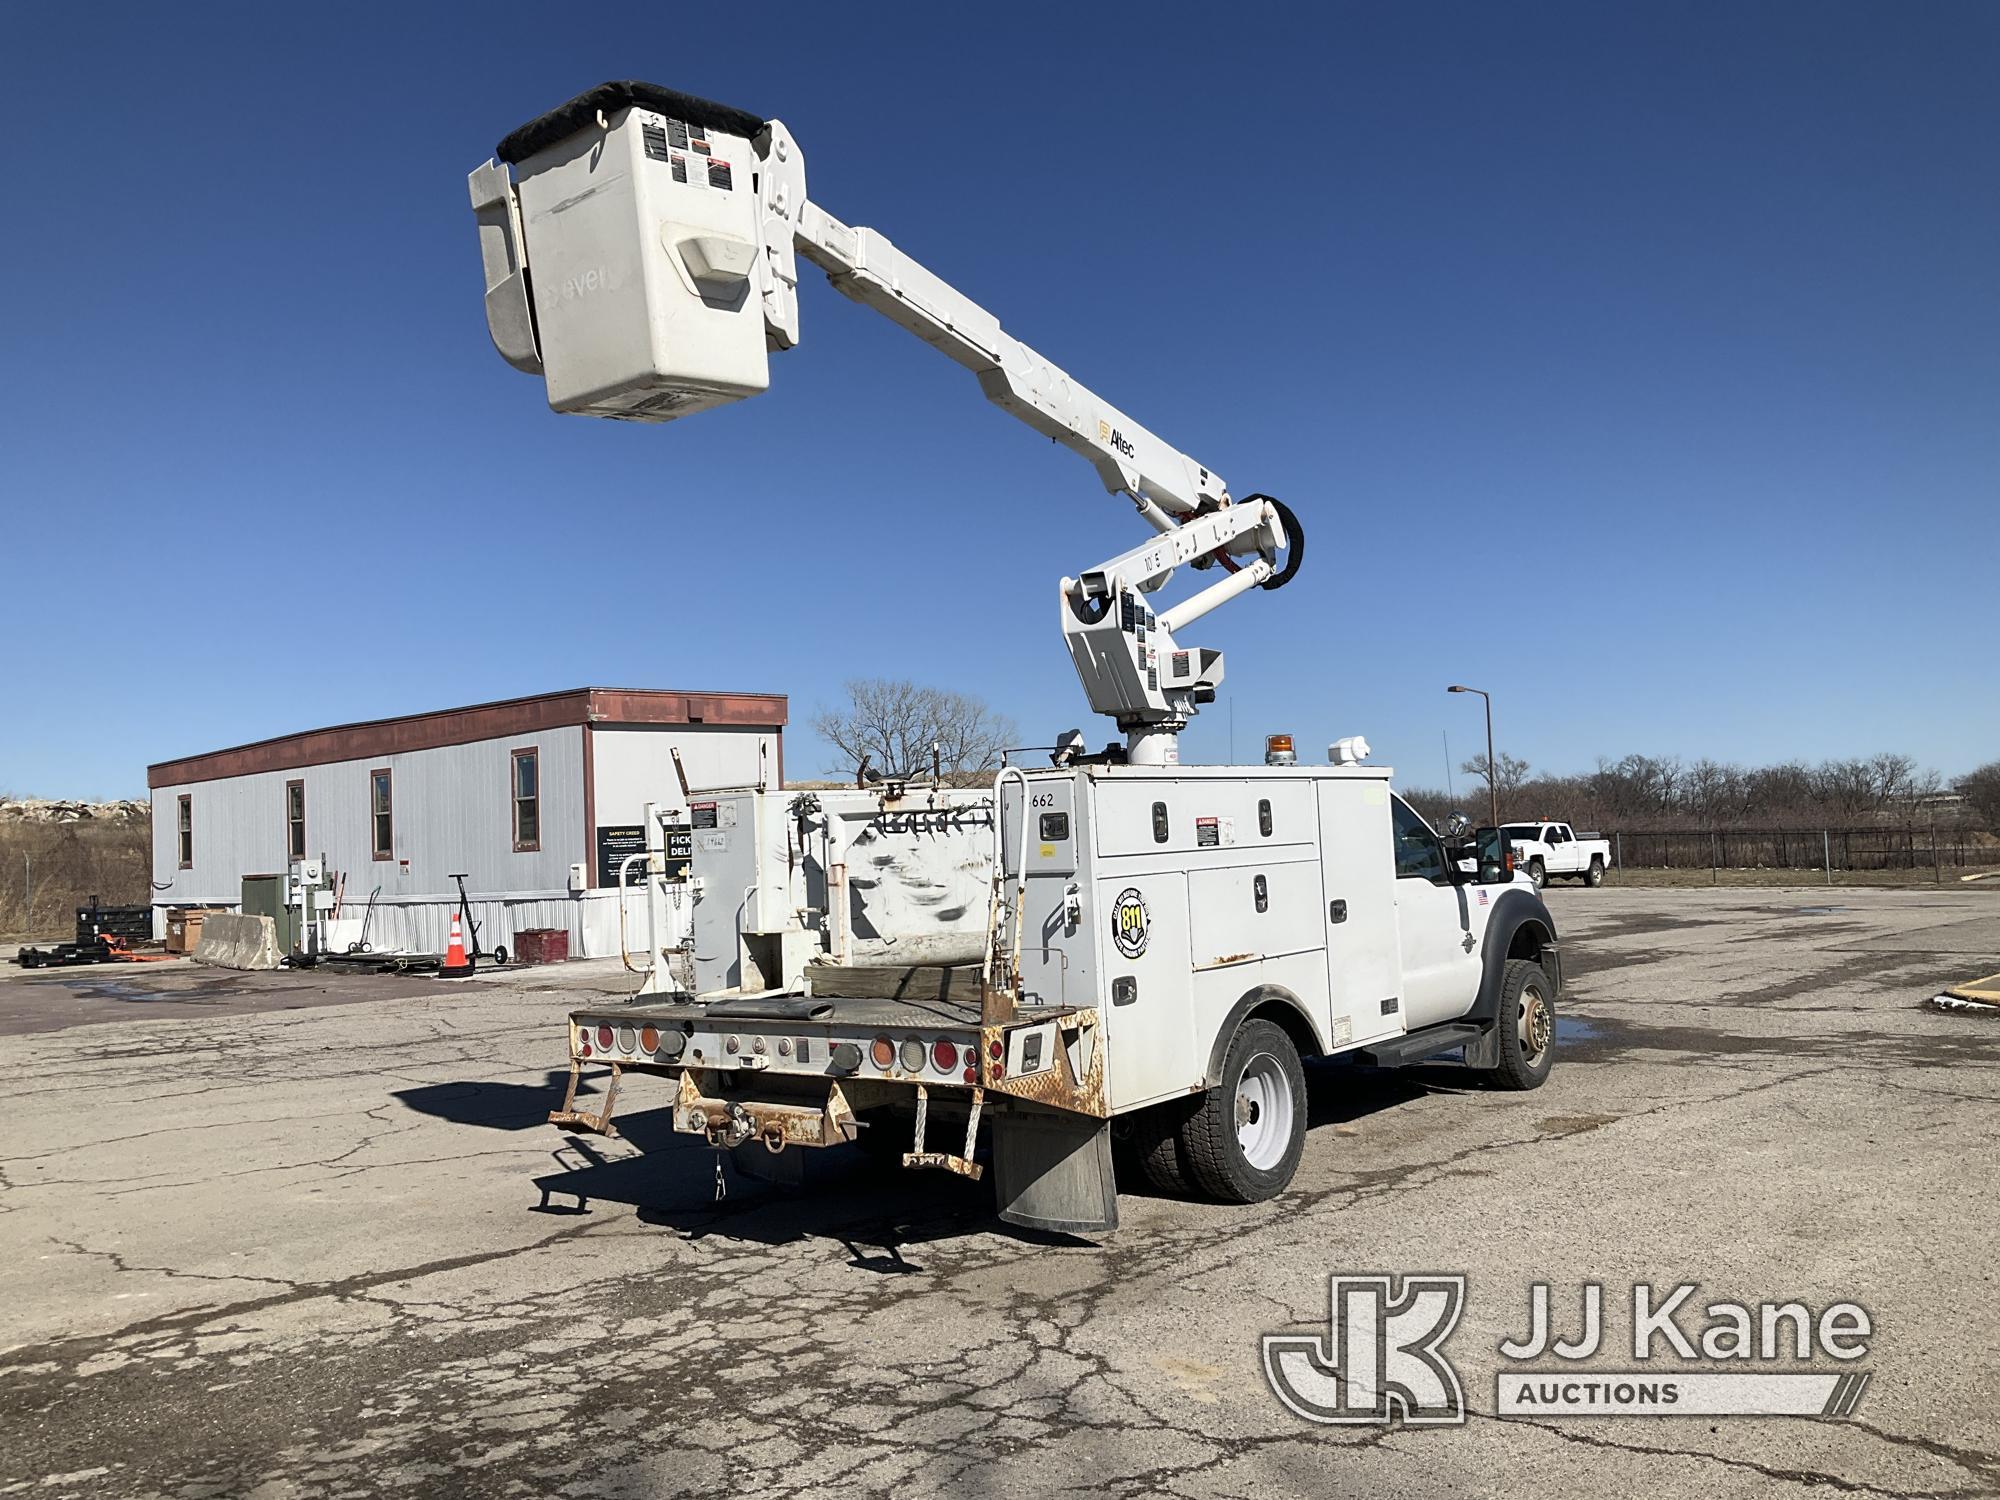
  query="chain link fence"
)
[{"x": 1821, "y": 849}]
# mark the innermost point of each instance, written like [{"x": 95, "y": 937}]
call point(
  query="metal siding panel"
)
[
  {"x": 635, "y": 766},
  {"x": 453, "y": 811}
]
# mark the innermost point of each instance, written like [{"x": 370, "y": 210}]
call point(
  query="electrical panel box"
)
[{"x": 641, "y": 242}]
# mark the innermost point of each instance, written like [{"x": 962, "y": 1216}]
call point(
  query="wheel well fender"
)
[
  {"x": 1267, "y": 1002},
  {"x": 1520, "y": 927}
]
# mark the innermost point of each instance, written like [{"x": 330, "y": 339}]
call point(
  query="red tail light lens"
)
[
  {"x": 944, "y": 1053},
  {"x": 604, "y": 1038}
]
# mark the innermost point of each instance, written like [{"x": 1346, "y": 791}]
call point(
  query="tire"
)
[
  {"x": 1594, "y": 876},
  {"x": 1539, "y": 873},
  {"x": 500, "y": 957},
  {"x": 1242, "y": 1141},
  {"x": 1154, "y": 1146},
  {"x": 1524, "y": 1028}
]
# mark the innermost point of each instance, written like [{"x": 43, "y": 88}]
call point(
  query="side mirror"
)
[{"x": 1495, "y": 856}]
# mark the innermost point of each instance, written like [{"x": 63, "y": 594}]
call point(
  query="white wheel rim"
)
[{"x": 1263, "y": 1112}]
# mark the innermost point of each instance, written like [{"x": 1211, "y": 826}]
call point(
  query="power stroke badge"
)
[{"x": 1131, "y": 923}]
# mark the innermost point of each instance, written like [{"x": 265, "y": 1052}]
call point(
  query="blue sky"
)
[{"x": 1638, "y": 363}]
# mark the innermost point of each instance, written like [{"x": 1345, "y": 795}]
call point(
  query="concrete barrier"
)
[{"x": 229, "y": 941}]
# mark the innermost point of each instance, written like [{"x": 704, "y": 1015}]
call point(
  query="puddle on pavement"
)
[
  {"x": 113, "y": 989},
  {"x": 1576, "y": 1029},
  {"x": 1818, "y": 911}
]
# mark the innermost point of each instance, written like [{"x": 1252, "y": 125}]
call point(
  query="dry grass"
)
[
  {"x": 68, "y": 863},
  {"x": 1810, "y": 878}
]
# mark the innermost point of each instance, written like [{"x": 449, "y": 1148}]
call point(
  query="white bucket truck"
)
[{"x": 1161, "y": 945}]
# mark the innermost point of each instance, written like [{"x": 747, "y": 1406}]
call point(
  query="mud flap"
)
[
  {"x": 757, "y": 1162},
  {"x": 1483, "y": 1053},
  {"x": 1053, "y": 1172}
]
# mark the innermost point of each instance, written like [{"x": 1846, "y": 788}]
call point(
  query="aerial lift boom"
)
[{"x": 641, "y": 250}]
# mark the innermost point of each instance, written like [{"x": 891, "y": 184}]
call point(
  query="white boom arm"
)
[{"x": 632, "y": 265}]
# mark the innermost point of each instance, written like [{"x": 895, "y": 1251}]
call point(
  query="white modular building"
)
[{"x": 537, "y": 801}]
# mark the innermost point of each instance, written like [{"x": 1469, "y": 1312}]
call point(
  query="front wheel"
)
[
  {"x": 1595, "y": 874},
  {"x": 1243, "y": 1142},
  {"x": 1524, "y": 1027},
  {"x": 1538, "y": 872}
]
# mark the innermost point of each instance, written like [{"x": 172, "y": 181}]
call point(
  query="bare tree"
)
[
  {"x": 1981, "y": 790},
  {"x": 1512, "y": 772},
  {"x": 900, "y": 728}
]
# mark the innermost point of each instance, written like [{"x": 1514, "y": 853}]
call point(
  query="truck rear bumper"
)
[{"x": 789, "y": 1077}]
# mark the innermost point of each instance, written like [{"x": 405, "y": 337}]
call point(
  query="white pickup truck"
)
[{"x": 1548, "y": 849}]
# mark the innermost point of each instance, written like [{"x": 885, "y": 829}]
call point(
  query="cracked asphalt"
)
[{"x": 333, "y": 1250}]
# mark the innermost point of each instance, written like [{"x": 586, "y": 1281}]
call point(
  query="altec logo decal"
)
[{"x": 1382, "y": 1357}]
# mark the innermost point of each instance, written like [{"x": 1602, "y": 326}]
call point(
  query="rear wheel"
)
[
  {"x": 1595, "y": 874},
  {"x": 1242, "y": 1141},
  {"x": 1524, "y": 1027}
]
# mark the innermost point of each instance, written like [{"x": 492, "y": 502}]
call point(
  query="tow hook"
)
[
  {"x": 730, "y": 1128},
  {"x": 774, "y": 1138}
]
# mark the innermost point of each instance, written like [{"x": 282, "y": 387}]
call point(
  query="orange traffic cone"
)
[{"x": 456, "y": 965}]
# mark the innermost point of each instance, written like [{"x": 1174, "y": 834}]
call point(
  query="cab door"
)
[
  {"x": 1562, "y": 848},
  {"x": 1440, "y": 952}
]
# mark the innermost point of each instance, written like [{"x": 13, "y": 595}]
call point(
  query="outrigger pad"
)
[{"x": 1053, "y": 1172}]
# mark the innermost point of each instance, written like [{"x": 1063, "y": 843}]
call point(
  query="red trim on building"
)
[{"x": 377, "y": 738}]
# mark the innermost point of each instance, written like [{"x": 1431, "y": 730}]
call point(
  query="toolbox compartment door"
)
[
  {"x": 1358, "y": 906},
  {"x": 1148, "y": 987}
]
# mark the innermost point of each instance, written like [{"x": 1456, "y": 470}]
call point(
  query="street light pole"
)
[{"x": 1492, "y": 769}]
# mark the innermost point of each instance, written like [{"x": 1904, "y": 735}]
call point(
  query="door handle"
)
[{"x": 1336, "y": 911}]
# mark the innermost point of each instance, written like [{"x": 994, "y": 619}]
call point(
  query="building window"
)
[
  {"x": 184, "y": 822},
  {"x": 382, "y": 810},
  {"x": 295, "y": 818},
  {"x": 527, "y": 801}
]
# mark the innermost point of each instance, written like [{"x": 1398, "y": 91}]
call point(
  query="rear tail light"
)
[
  {"x": 649, "y": 1038},
  {"x": 583, "y": 1045},
  {"x": 912, "y": 1054},
  {"x": 604, "y": 1038},
  {"x": 625, "y": 1039},
  {"x": 972, "y": 1074},
  {"x": 944, "y": 1052}
]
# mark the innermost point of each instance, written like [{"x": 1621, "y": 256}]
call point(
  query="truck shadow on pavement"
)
[
  {"x": 840, "y": 1195},
  {"x": 493, "y": 1106},
  {"x": 874, "y": 1211}
]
